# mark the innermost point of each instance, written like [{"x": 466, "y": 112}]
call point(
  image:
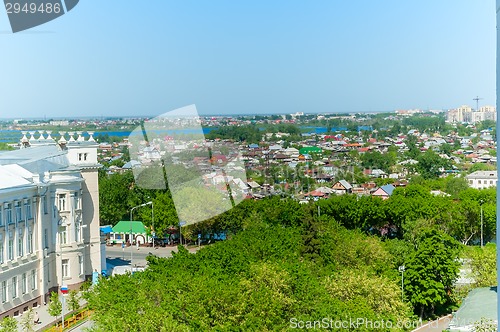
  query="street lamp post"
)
[
  {"x": 153, "y": 222},
  {"x": 481, "y": 205},
  {"x": 402, "y": 270},
  {"x": 64, "y": 291},
  {"x": 131, "y": 249}
]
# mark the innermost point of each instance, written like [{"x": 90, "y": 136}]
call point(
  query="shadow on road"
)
[{"x": 118, "y": 261}]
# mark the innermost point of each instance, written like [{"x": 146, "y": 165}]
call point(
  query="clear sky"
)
[{"x": 124, "y": 58}]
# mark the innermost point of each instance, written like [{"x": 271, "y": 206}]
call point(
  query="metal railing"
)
[{"x": 71, "y": 321}]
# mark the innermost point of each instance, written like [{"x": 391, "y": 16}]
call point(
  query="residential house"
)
[
  {"x": 342, "y": 187},
  {"x": 482, "y": 179},
  {"x": 384, "y": 192}
]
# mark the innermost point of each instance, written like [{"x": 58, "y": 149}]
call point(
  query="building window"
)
[
  {"x": 80, "y": 263},
  {"x": 30, "y": 243},
  {"x": 19, "y": 215},
  {"x": 27, "y": 209},
  {"x": 33, "y": 279},
  {"x": 77, "y": 231},
  {"x": 14, "y": 287},
  {"x": 20, "y": 245},
  {"x": 1, "y": 250},
  {"x": 1, "y": 217},
  {"x": 63, "y": 235},
  {"x": 61, "y": 200},
  {"x": 77, "y": 200},
  {"x": 8, "y": 214},
  {"x": 65, "y": 267},
  {"x": 24, "y": 284},
  {"x": 48, "y": 272},
  {"x": 479, "y": 181},
  {"x": 4, "y": 291},
  {"x": 10, "y": 249},
  {"x": 45, "y": 205},
  {"x": 45, "y": 238}
]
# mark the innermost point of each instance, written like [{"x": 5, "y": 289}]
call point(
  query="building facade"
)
[
  {"x": 49, "y": 219},
  {"x": 482, "y": 179},
  {"x": 465, "y": 114}
]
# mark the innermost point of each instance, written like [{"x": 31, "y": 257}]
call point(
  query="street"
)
[{"x": 116, "y": 256}]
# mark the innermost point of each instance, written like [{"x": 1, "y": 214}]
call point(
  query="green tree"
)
[
  {"x": 431, "y": 272},
  {"x": 312, "y": 244},
  {"x": 483, "y": 265},
  {"x": 8, "y": 324},
  {"x": 455, "y": 185},
  {"x": 481, "y": 167},
  {"x": 73, "y": 300},
  {"x": 28, "y": 322},
  {"x": 114, "y": 192},
  {"x": 376, "y": 159},
  {"x": 55, "y": 306},
  {"x": 5, "y": 146},
  {"x": 380, "y": 294},
  {"x": 430, "y": 164}
]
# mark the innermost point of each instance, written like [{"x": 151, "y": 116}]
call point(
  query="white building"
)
[
  {"x": 484, "y": 113},
  {"x": 49, "y": 220},
  {"x": 460, "y": 114},
  {"x": 465, "y": 113},
  {"x": 482, "y": 179}
]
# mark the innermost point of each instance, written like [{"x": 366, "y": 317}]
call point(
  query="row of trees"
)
[
  {"x": 458, "y": 213},
  {"x": 285, "y": 260}
]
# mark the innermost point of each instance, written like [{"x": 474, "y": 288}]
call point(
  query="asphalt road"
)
[{"x": 117, "y": 256}]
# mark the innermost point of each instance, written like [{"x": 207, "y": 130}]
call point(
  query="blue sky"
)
[{"x": 125, "y": 58}]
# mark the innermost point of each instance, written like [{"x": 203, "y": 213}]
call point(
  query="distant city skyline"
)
[{"x": 109, "y": 60}]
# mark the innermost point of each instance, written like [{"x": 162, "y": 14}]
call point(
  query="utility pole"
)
[{"x": 481, "y": 205}]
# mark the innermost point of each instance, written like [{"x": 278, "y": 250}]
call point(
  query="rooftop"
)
[{"x": 480, "y": 303}]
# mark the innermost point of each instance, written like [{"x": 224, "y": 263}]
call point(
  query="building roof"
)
[
  {"x": 310, "y": 149},
  {"x": 9, "y": 179},
  {"x": 483, "y": 175},
  {"x": 388, "y": 188},
  {"x": 125, "y": 226},
  {"x": 48, "y": 152},
  {"x": 345, "y": 184},
  {"x": 106, "y": 229},
  {"x": 481, "y": 302}
]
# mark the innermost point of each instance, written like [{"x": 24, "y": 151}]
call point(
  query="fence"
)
[{"x": 71, "y": 321}]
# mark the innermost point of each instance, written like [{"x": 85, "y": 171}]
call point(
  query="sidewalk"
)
[
  {"x": 437, "y": 325},
  {"x": 46, "y": 320}
]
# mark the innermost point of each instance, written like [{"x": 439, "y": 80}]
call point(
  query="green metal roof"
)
[
  {"x": 481, "y": 302},
  {"x": 124, "y": 227},
  {"x": 310, "y": 149}
]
